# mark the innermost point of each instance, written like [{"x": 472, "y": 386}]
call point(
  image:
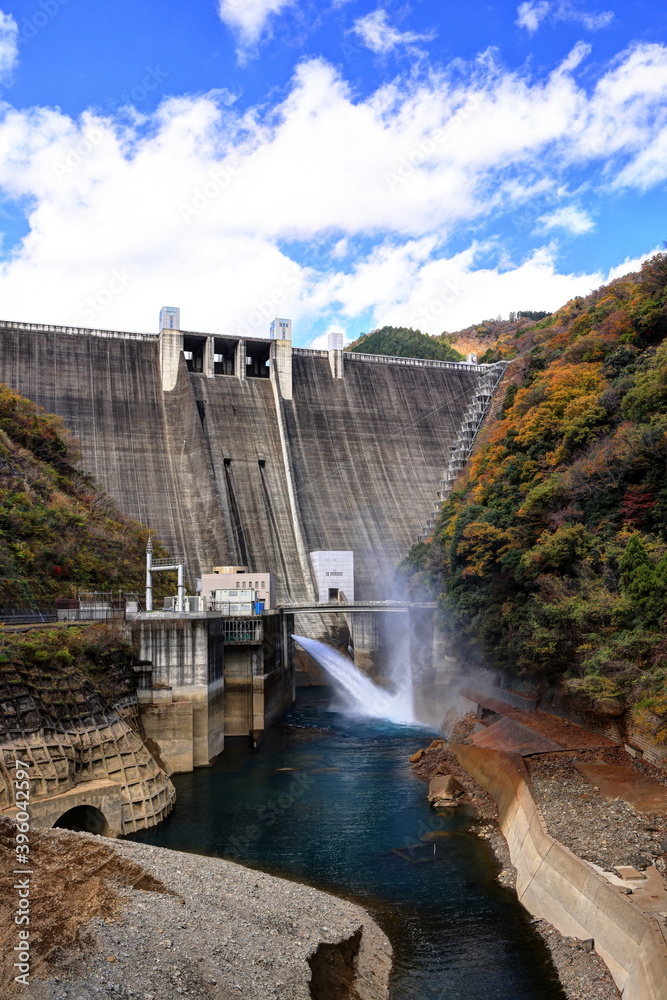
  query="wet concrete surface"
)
[{"x": 617, "y": 781}]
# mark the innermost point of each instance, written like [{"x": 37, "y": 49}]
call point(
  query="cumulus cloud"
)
[
  {"x": 570, "y": 218},
  {"x": 377, "y": 34},
  {"x": 249, "y": 18},
  {"x": 532, "y": 13},
  {"x": 8, "y": 45},
  {"x": 195, "y": 204},
  {"x": 398, "y": 286}
]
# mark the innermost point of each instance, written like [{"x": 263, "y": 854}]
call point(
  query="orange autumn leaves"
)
[{"x": 528, "y": 555}]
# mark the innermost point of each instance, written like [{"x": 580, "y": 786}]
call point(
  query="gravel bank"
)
[
  {"x": 606, "y": 831},
  {"x": 213, "y": 930}
]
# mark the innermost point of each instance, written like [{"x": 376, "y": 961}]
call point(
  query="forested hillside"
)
[
  {"x": 551, "y": 553},
  {"x": 404, "y": 342},
  {"x": 59, "y": 532}
]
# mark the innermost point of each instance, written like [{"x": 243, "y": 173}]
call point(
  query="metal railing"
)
[
  {"x": 76, "y": 331},
  {"x": 27, "y": 616},
  {"x": 243, "y": 630},
  {"x": 454, "y": 366}
]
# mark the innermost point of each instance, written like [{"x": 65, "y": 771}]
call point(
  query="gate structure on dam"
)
[{"x": 249, "y": 451}]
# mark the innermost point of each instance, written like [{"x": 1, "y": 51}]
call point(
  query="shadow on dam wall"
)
[{"x": 332, "y": 451}]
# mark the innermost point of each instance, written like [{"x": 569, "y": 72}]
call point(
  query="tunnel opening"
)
[
  {"x": 83, "y": 819},
  {"x": 193, "y": 351},
  {"x": 224, "y": 352},
  {"x": 257, "y": 358}
]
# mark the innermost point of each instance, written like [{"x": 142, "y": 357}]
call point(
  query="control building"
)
[
  {"x": 334, "y": 574},
  {"x": 170, "y": 318},
  {"x": 237, "y": 578},
  {"x": 281, "y": 329}
]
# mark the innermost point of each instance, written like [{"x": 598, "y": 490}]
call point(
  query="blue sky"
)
[{"x": 346, "y": 163}]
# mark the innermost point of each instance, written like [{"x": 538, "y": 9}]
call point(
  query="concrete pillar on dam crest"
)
[
  {"x": 171, "y": 348},
  {"x": 281, "y": 366}
]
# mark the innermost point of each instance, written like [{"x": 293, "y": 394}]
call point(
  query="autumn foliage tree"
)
[{"x": 550, "y": 554}]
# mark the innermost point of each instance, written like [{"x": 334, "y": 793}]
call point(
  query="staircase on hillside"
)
[{"x": 465, "y": 439}]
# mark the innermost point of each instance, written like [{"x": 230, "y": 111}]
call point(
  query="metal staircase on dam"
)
[{"x": 465, "y": 440}]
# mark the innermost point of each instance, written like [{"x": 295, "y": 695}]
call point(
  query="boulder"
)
[
  {"x": 416, "y": 757},
  {"x": 444, "y": 790},
  {"x": 438, "y": 745}
]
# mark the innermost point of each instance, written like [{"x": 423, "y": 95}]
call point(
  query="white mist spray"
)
[{"x": 359, "y": 695}]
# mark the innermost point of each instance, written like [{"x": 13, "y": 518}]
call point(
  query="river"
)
[{"x": 327, "y": 800}]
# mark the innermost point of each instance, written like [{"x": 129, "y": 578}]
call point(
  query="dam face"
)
[{"x": 235, "y": 461}]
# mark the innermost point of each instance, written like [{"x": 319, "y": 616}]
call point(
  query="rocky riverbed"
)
[
  {"x": 605, "y": 831},
  {"x": 122, "y": 919}
]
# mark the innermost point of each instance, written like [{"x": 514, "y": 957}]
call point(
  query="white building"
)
[
  {"x": 238, "y": 578},
  {"x": 232, "y": 601},
  {"x": 334, "y": 573},
  {"x": 335, "y": 340},
  {"x": 281, "y": 329},
  {"x": 170, "y": 318}
]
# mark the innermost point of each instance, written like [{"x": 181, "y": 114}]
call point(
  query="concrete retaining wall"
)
[{"x": 555, "y": 885}]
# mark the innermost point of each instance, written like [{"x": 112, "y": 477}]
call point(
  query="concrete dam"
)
[{"x": 252, "y": 452}]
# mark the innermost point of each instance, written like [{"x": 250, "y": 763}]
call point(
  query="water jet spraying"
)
[{"x": 359, "y": 695}]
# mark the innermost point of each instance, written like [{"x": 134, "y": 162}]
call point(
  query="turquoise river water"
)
[{"x": 327, "y": 800}]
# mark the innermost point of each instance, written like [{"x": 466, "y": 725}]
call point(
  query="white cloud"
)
[
  {"x": 570, "y": 218},
  {"x": 8, "y": 45},
  {"x": 380, "y": 37},
  {"x": 451, "y": 293},
  {"x": 340, "y": 248},
  {"x": 209, "y": 194},
  {"x": 248, "y": 18},
  {"x": 532, "y": 13},
  {"x": 596, "y": 21}
]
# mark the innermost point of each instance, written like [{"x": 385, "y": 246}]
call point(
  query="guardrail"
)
[
  {"x": 76, "y": 331},
  {"x": 454, "y": 366},
  {"x": 27, "y": 616}
]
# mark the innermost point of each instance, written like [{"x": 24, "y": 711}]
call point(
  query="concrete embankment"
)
[
  {"x": 175, "y": 924},
  {"x": 556, "y": 885},
  {"x": 83, "y": 742}
]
